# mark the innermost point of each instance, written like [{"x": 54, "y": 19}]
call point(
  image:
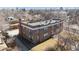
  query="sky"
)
[{"x": 39, "y": 3}]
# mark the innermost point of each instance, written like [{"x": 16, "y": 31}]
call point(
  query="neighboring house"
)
[{"x": 10, "y": 18}]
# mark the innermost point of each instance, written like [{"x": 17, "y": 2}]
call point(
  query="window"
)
[
  {"x": 37, "y": 37},
  {"x": 45, "y": 29},
  {"x": 45, "y": 34}
]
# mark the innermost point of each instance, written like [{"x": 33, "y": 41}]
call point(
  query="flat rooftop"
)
[
  {"x": 50, "y": 43},
  {"x": 42, "y": 23}
]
